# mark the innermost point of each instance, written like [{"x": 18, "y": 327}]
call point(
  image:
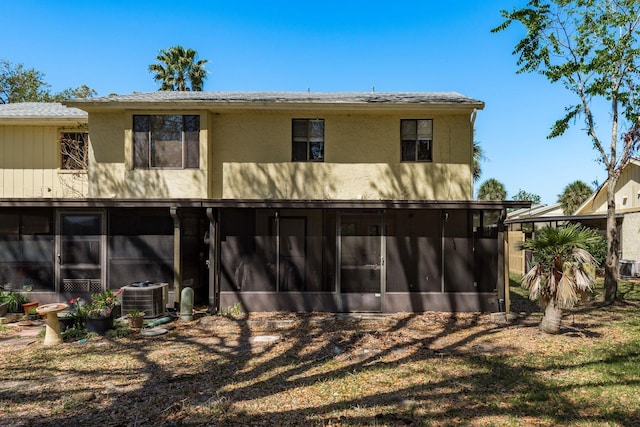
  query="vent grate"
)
[
  {"x": 82, "y": 285},
  {"x": 151, "y": 299}
]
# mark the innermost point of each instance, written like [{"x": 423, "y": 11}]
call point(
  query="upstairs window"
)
[
  {"x": 308, "y": 140},
  {"x": 73, "y": 149},
  {"x": 417, "y": 140},
  {"x": 166, "y": 141}
]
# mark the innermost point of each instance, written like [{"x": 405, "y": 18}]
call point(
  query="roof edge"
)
[
  {"x": 280, "y": 100},
  {"x": 338, "y": 204}
]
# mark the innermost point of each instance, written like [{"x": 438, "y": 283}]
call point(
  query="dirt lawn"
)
[{"x": 323, "y": 369}]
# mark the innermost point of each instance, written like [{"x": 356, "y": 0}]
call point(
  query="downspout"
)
[
  {"x": 177, "y": 261},
  {"x": 213, "y": 264},
  {"x": 474, "y": 114}
]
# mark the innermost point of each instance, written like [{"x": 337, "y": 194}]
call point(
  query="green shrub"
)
[
  {"x": 14, "y": 300},
  {"x": 598, "y": 250}
]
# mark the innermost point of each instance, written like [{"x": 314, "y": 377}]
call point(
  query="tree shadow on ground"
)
[
  {"x": 520, "y": 302},
  {"x": 417, "y": 369}
]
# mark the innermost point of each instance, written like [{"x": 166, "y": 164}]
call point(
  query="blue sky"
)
[{"x": 330, "y": 46}]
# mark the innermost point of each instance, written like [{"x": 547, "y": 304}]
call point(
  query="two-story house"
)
[{"x": 279, "y": 201}]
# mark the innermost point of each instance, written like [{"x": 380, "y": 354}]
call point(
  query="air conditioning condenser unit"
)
[{"x": 151, "y": 298}]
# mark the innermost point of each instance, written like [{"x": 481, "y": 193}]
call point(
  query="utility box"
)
[
  {"x": 628, "y": 268},
  {"x": 151, "y": 298}
]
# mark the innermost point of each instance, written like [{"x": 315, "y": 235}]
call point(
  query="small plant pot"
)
[
  {"x": 29, "y": 307},
  {"x": 136, "y": 322},
  {"x": 65, "y": 322},
  {"x": 3, "y": 308},
  {"x": 99, "y": 325},
  {"x": 116, "y": 311}
]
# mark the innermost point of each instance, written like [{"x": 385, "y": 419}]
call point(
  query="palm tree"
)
[
  {"x": 573, "y": 196},
  {"x": 562, "y": 270},
  {"x": 492, "y": 189},
  {"x": 177, "y": 67},
  {"x": 478, "y": 155}
]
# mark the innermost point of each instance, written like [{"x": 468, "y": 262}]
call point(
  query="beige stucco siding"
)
[
  {"x": 246, "y": 154},
  {"x": 30, "y": 164},
  {"x": 111, "y": 162},
  {"x": 344, "y": 181},
  {"x": 251, "y": 157},
  {"x": 630, "y": 242}
]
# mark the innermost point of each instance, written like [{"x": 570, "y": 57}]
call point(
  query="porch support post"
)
[
  {"x": 443, "y": 226},
  {"x": 214, "y": 284},
  {"x": 503, "y": 263},
  {"x": 177, "y": 258}
]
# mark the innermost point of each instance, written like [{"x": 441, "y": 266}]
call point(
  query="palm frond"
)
[
  {"x": 584, "y": 281},
  {"x": 552, "y": 283},
  {"x": 566, "y": 292},
  {"x": 583, "y": 256}
]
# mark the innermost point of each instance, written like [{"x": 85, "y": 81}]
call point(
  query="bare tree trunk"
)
[
  {"x": 611, "y": 262},
  {"x": 551, "y": 319}
]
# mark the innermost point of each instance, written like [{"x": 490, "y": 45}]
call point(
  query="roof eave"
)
[
  {"x": 266, "y": 105},
  {"x": 263, "y": 203},
  {"x": 559, "y": 218},
  {"x": 43, "y": 120}
]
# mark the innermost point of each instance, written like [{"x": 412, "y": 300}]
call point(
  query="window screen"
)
[
  {"x": 416, "y": 140},
  {"x": 166, "y": 141},
  {"x": 308, "y": 140}
]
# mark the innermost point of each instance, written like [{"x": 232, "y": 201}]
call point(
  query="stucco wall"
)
[
  {"x": 344, "y": 181},
  {"x": 630, "y": 243},
  {"x": 30, "y": 164},
  {"x": 246, "y": 154},
  {"x": 111, "y": 172},
  {"x": 251, "y": 157}
]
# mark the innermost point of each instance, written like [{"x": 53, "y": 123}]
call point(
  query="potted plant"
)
[
  {"x": 99, "y": 312},
  {"x": 14, "y": 300},
  {"x": 30, "y": 308},
  {"x": 75, "y": 316},
  {"x": 135, "y": 318}
]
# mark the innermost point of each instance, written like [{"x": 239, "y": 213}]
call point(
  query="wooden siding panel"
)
[
  {"x": 50, "y": 164},
  {"x": 29, "y": 161},
  {"x": 8, "y": 159},
  {"x": 19, "y": 163},
  {"x": 516, "y": 256},
  {"x": 2, "y": 167},
  {"x": 38, "y": 166}
]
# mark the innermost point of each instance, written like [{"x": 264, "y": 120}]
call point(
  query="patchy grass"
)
[
  {"x": 431, "y": 369},
  {"x": 628, "y": 290}
]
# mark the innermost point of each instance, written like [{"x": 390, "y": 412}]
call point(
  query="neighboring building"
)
[
  {"x": 33, "y": 138},
  {"x": 592, "y": 213},
  {"x": 627, "y": 202},
  {"x": 279, "y": 201}
]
